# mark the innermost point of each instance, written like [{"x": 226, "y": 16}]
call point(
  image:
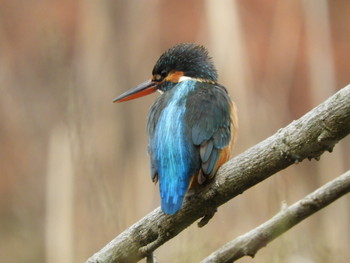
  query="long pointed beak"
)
[{"x": 141, "y": 90}]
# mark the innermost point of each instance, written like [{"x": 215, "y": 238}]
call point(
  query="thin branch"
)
[
  {"x": 249, "y": 243},
  {"x": 311, "y": 135}
]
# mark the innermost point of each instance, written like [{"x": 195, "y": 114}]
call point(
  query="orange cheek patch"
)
[{"x": 174, "y": 76}]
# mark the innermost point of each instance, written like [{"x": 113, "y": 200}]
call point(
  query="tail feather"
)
[
  {"x": 172, "y": 191},
  {"x": 170, "y": 207}
]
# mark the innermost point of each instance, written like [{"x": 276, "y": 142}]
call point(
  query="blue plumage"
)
[
  {"x": 187, "y": 128},
  {"x": 189, "y": 125},
  {"x": 171, "y": 150}
]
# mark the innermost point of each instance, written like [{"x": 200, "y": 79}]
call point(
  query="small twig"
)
[
  {"x": 151, "y": 258},
  {"x": 249, "y": 243}
]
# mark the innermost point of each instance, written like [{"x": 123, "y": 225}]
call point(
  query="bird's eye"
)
[{"x": 161, "y": 76}]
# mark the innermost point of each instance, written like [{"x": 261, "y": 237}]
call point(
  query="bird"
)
[{"x": 191, "y": 126}]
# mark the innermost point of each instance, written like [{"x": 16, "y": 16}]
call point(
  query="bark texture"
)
[
  {"x": 308, "y": 137},
  {"x": 249, "y": 243}
]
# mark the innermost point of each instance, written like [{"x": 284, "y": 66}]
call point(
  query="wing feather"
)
[{"x": 209, "y": 116}]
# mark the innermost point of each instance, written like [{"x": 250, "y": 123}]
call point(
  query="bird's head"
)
[{"x": 180, "y": 62}]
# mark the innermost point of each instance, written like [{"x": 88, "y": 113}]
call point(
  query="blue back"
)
[
  {"x": 188, "y": 126},
  {"x": 173, "y": 155}
]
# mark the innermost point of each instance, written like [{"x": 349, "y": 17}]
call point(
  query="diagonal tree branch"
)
[
  {"x": 249, "y": 243},
  {"x": 308, "y": 137}
]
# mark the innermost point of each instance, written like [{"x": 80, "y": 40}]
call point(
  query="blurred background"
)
[{"x": 74, "y": 167}]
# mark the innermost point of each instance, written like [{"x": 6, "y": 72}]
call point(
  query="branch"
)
[
  {"x": 317, "y": 131},
  {"x": 249, "y": 243}
]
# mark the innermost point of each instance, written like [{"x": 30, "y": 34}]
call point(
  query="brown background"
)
[{"x": 73, "y": 166}]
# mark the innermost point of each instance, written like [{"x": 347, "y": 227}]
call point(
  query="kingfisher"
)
[{"x": 191, "y": 126}]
